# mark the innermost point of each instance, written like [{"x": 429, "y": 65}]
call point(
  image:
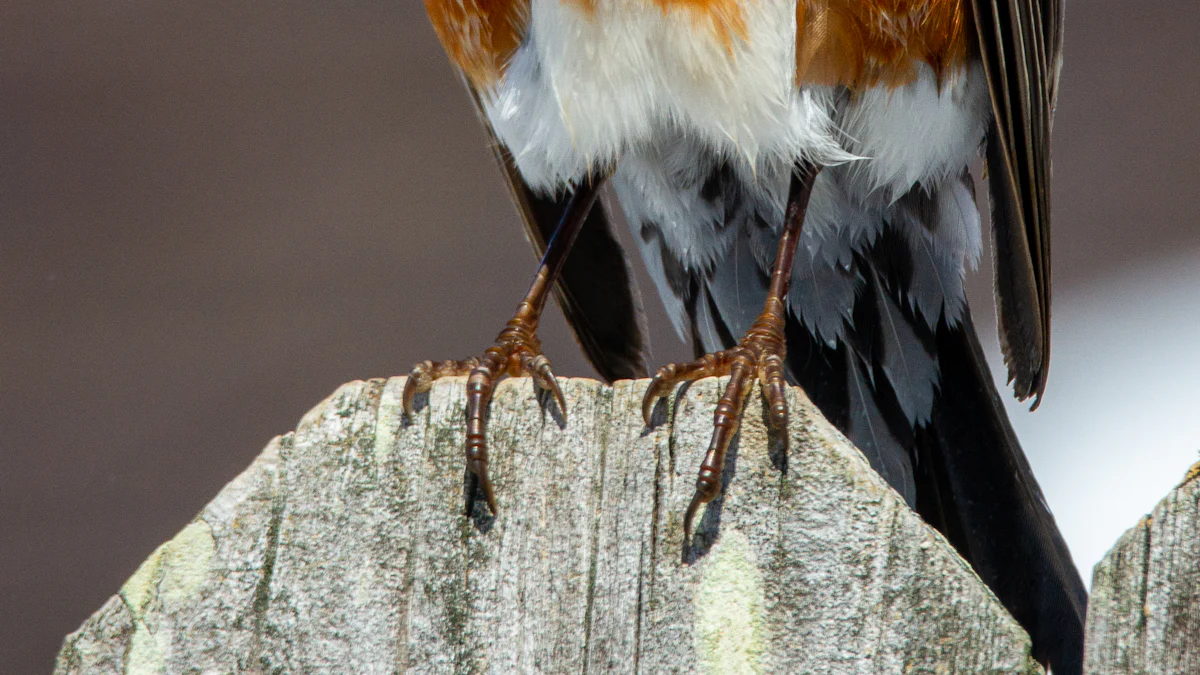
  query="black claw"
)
[
  {"x": 546, "y": 381},
  {"x": 654, "y": 392},
  {"x": 469, "y": 491},
  {"x": 490, "y": 496},
  {"x": 413, "y": 385},
  {"x": 648, "y": 403},
  {"x": 475, "y": 485}
]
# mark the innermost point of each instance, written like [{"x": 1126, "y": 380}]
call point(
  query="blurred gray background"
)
[{"x": 214, "y": 213}]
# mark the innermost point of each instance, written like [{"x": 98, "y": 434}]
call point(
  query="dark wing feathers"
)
[
  {"x": 595, "y": 290},
  {"x": 1021, "y": 44}
]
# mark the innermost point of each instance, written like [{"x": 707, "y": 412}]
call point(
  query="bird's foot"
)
[
  {"x": 760, "y": 354},
  {"x": 517, "y": 352}
]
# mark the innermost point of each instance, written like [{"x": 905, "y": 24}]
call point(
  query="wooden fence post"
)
[{"x": 343, "y": 549}]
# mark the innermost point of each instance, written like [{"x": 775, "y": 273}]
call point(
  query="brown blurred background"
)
[{"x": 214, "y": 213}]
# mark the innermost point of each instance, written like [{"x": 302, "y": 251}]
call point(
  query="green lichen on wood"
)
[
  {"x": 164, "y": 584},
  {"x": 730, "y": 608}
]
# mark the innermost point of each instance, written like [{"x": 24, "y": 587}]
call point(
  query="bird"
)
[{"x": 797, "y": 180}]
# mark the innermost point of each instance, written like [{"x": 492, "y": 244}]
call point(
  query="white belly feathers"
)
[{"x": 588, "y": 87}]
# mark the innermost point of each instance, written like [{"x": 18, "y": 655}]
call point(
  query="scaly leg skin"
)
[
  {"x": 760, "y": 352},
  {"x": 517, "y": 351}
]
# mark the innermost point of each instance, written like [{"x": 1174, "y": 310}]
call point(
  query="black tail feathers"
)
[
  {"x": 968, "y": 476},
  {"x": 976, "y": 486}
]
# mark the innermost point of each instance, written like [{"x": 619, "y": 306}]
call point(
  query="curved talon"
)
[
  {"x": 665, "y": 379},
  {"x": 480, "y": 386},
  {"x": 708, "y": 486},
  {"x": 757, "y": 354},
  {"x": 480, "y": 481},
  {"x": 423, "y": 375},
  {"x": 655, "y": 391},
  {"x": 538, "y": 368},
  {"x": 418, "y": 381},
  {"x": 512, "y": 354},
  {"x": 675, "y": 373}
]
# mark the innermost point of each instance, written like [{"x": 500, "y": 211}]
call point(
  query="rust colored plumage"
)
[
  {"x": 856, "y": 43},
  {"x": 480, "y": 35},
  {"x": 724, "y": 17},
  {"x": 862, "y": 43}
]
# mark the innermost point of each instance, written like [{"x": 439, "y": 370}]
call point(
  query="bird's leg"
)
[
  {"x": 517, "y": 350},
  {"x": 759, "y": 353}
]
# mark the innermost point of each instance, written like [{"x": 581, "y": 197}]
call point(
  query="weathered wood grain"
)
[
  {"x": 342, "y": 550},
  {"x": 1144, "y": 615}
]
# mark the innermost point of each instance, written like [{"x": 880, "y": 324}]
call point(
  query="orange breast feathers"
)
[
  {"x": 856, "y": 43},
  {"x": 862, "y": 43},
  {"x": 480, "y": 36}
]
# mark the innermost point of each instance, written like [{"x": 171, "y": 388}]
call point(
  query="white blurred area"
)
[{"x": 1120, "y": 422}]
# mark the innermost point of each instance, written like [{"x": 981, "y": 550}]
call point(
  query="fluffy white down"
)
[
  {"x": 924, "y": 132},
  {"x": 586, "y": 88}
]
